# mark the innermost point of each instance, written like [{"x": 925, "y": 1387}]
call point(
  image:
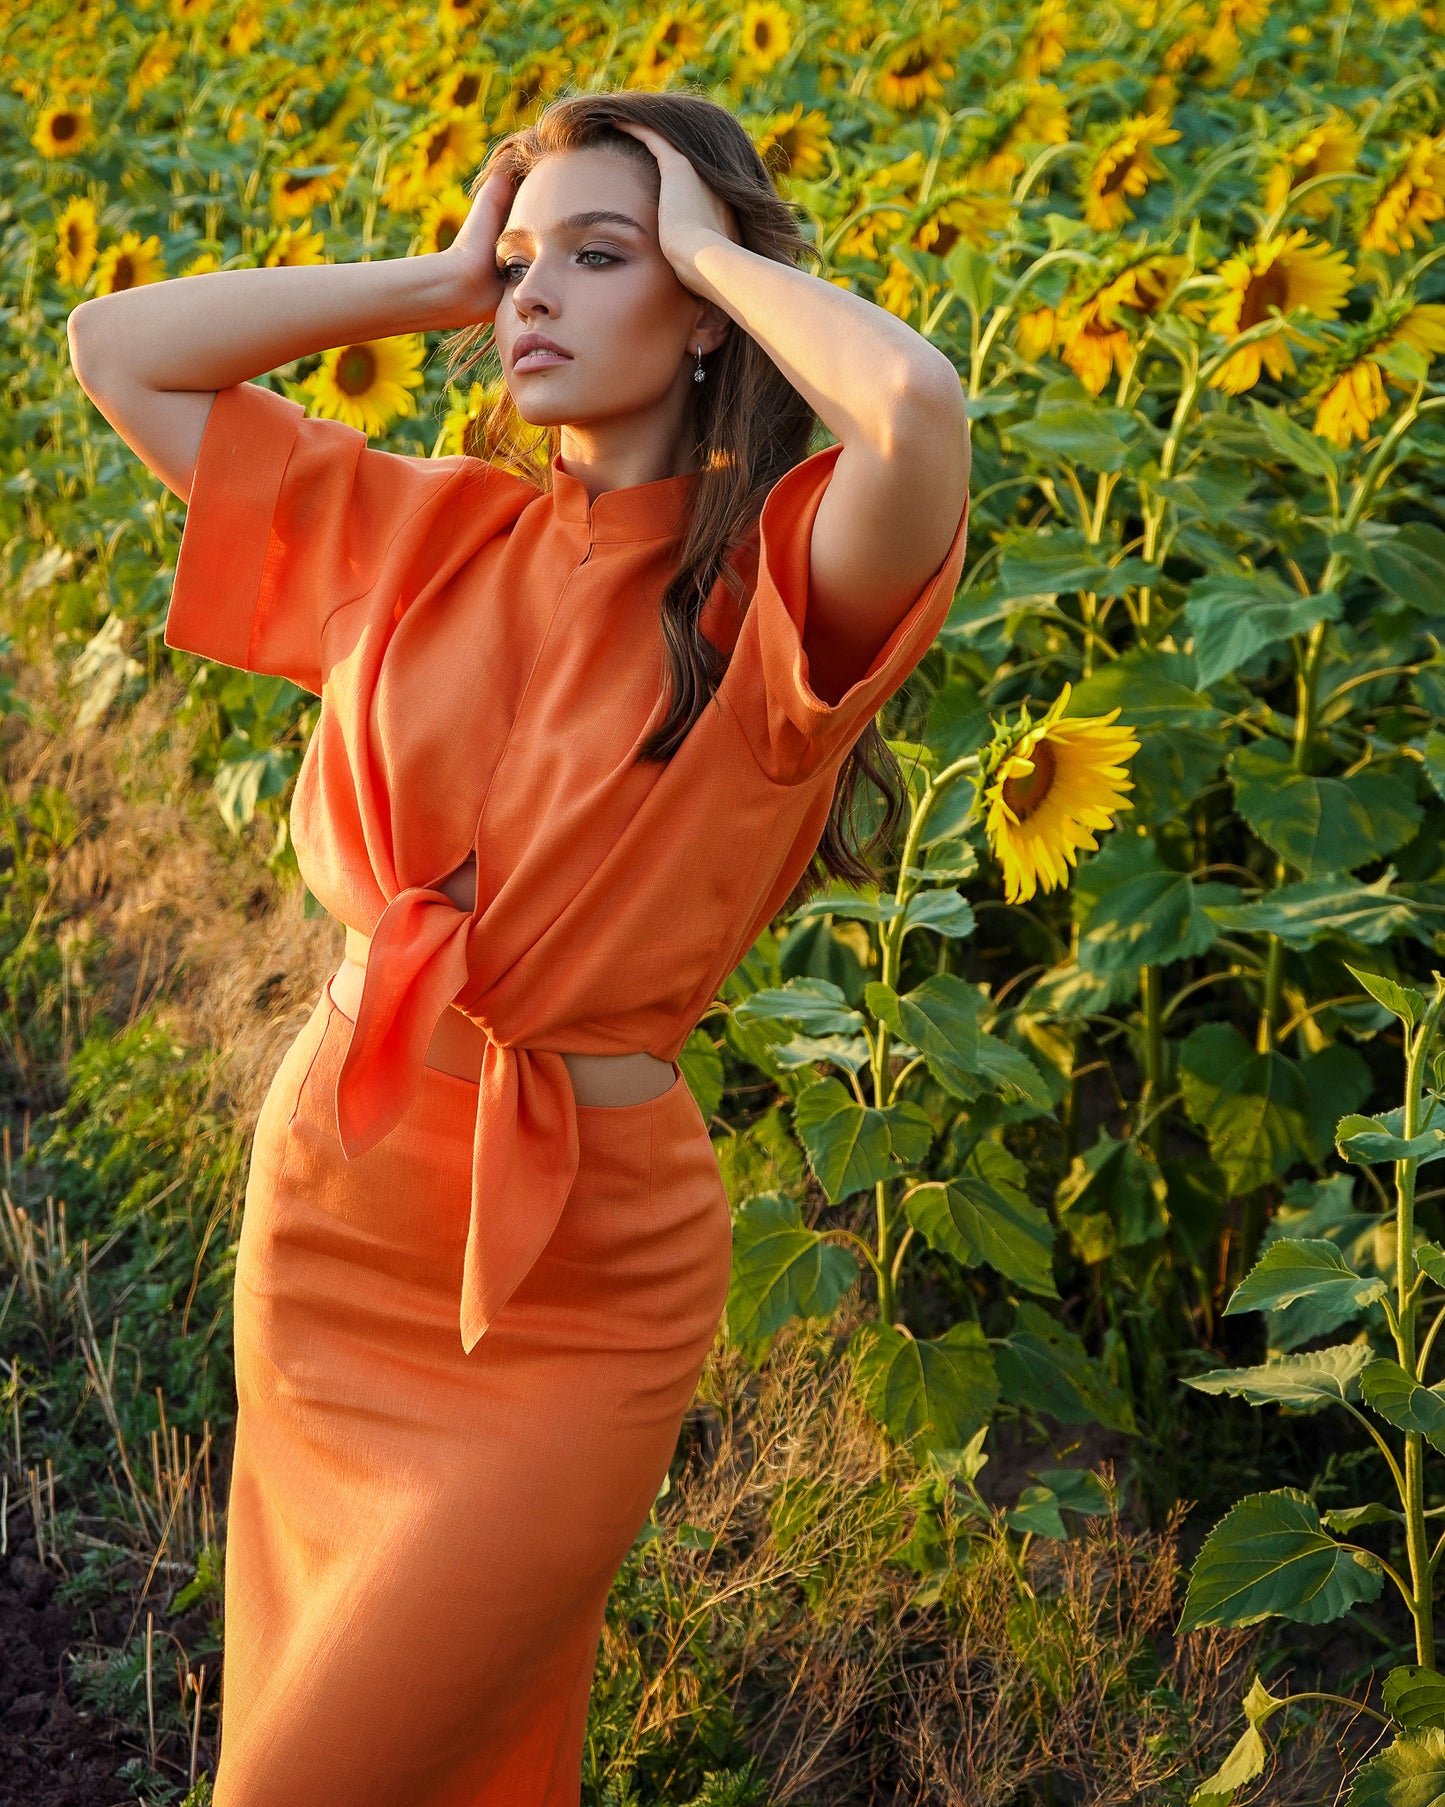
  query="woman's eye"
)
[{"x": 505, "y": 270}]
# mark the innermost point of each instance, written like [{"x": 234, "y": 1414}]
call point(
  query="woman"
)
[{"x": 579, "y": 741}]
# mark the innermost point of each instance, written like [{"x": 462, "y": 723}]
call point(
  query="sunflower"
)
[
  {"x": 794, "y": 143},
  {"x": 465, "y": 86},
  {"x": 160, "y": 57},
  {"x": 76, "y": 238},
  {"x": 1022, "y": 115},
  {"x": 62, "y": 131},
  {"x": 1123, "y": 167},
  {"x": 1353, "y": 384},
  {"x": 369, "y": 384},
  {"x": 1194, "y": 21},
  {"x": 442, "y": 217},
  {"x": 1049, "y": 785},
  {"x": 765, "y": 36},
  {"x": 1410, "y": 200},
  {"x": 295, "y": 193},
  {"x": 296, "y": 245},
  {"x": 1034, "y": 333},
  {"x": 478, "y": 425},
  {"x": 129, "y": 263},
  {"x": 1221, "y": 45},
  {"x": 1327, "y": 149},
  {"x": 438, "y": 155},
  {"x": 244, "y": 30},
  {"x": 914, "y": 70},
  {"x": 962, "y": 216},
  {"x": 875, "y": 226},
  {"x": 461, "y": 430},
  {"x": 1092, "y": 331},
  {"x": 1092, "y": 324},
  {"x": 1047, "y": 41},
  {"x": 1283, "y": 272},
  {"x": 676, "y": 37}
]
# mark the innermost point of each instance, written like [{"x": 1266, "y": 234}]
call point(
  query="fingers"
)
[{"x": 499, "y": 190}]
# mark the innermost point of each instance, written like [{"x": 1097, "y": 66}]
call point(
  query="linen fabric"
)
[
  {"x": 470, "y": 1315},
  {"x": 489, "y": 657},
  {"x": 420, "y": 1542}
]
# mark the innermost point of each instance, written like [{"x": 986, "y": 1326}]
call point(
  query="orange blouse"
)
[{"x": 488, "y": 657}]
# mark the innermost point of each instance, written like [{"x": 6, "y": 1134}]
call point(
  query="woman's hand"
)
[
  {"x": 473, "y": 252},
  {"x": 688, "y": 211}
]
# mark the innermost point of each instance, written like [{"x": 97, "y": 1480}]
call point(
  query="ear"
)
[{"x": 711, "y": 325}]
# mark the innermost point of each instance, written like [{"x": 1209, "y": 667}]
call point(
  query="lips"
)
[{"x": 530, "y": 342}]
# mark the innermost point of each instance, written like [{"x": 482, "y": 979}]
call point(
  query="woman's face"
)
[{"x": 606, "y": 294}]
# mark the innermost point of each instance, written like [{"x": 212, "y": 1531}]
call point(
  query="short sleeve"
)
[
  {"x": 290, "y": 517},
  {"x": 793, "y": 732}
]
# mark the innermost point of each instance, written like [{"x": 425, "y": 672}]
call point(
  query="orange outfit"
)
[{"x": 422, "y": 1530}]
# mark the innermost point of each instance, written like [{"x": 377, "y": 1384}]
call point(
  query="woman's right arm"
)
[{"x": 151, "y": 358}]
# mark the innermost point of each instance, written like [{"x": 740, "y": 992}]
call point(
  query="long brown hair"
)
[{"x": 752, "y": 426}]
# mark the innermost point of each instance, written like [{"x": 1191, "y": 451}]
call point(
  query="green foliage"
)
[
  {"x": 1254, "y": 1107},
  {"x": 1274, "y": 1553},
  {"x": 931, "y": 1392},
  {"x": 1270, "y": 1554},
  {"x": 1411, "y": 1773}
]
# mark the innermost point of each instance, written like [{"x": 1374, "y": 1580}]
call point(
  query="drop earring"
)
[{"x": 699, "y": 373}]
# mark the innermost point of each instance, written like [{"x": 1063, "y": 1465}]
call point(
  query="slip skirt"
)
[{"x": 421, "y": 1537}]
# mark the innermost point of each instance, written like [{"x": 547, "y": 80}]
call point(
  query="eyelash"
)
[{"x": 503, "y": 269}]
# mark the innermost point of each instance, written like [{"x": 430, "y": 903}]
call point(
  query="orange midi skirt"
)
[{"x": 420, "y": 1542}]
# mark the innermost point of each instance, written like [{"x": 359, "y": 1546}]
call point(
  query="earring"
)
[{"x": 699, "y": 373}]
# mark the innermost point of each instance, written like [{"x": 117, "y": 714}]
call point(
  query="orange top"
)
[{"x": 489, "y": 657}]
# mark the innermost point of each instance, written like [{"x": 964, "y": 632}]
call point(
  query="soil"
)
[{"x": 52, "y": 1753}]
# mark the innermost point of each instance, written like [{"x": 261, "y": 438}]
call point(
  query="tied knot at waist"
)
[{"x": 524, "y": 1145}]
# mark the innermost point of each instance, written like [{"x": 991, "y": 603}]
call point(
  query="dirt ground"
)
[{"x": 52, "y": 1754}]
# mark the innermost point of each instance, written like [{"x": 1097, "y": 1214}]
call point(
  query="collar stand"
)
[{"x": 641, "y": 511}]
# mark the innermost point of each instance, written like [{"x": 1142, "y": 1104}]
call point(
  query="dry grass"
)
[
  {"x": 197, "y": 929},
  {"x": 1057, "y": 1682}
]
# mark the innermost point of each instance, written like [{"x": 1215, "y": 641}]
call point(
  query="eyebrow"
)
[{"x": 574, "y": 222}]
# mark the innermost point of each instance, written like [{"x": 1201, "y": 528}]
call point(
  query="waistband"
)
[{"x": 458, "y": 1044}]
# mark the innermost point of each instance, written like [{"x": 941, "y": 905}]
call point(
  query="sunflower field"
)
[{"x": 1109, "y": 1113}]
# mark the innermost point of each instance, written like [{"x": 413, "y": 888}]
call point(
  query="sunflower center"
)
[
  {"x": 1269, "y": 289},
  {"x": 355, "y": 370},
  {"x": 1024, "y": 795},
  {"x": 1115, "y": 178},
  {"x": 948, "y": 237}
]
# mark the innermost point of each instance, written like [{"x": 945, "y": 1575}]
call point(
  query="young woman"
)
[{"x": 581, "y": 738}]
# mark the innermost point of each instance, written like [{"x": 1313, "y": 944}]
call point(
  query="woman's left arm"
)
[{"x": 897, "y": 493}]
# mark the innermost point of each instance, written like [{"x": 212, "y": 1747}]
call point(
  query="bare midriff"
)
[{"x": 458, "y": 1044}]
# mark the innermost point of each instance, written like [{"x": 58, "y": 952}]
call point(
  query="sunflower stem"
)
[
  {"x": 890, "y": 938},
  {"x": 1151, "y": 991},
  {"x": 1407, "y": 1311},
  {"x": 1152, "y": 507}
]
